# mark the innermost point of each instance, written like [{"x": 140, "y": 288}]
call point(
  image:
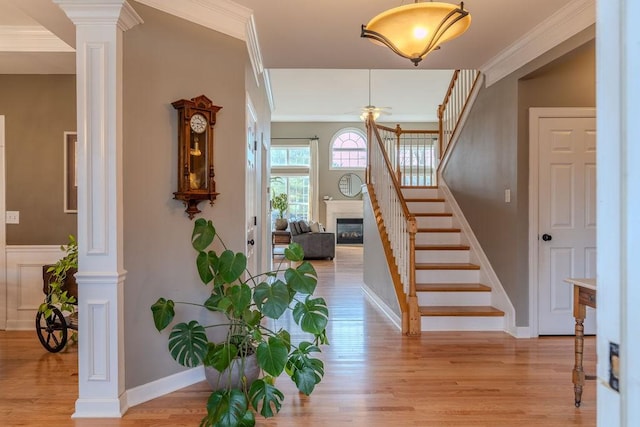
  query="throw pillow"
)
[
  {"x": 304, "y": 227},
  {"x": 321, "y": 228},
  {"x": 314, "y": 226},
  {"x": 295, "y": 228}
]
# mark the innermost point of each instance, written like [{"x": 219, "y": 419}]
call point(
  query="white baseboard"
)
[
  {"x": 166, "y": 385},
  {"x": 101, "y": 408},
  {"x": 520, "y": 332},
  {"x": 383, "y": 306}
]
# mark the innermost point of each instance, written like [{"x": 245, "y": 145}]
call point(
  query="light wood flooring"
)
[{"x": 374, "y": 376}]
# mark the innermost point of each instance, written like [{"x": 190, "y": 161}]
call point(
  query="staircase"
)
[{"x": 451, "y": 295}]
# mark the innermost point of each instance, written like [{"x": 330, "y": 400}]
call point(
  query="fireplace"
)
[{"x": 349, "y": 231}]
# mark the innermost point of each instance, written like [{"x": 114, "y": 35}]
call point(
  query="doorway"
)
[{"x": 562, "y": 206}]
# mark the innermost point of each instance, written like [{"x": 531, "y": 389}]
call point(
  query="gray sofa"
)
[{"x": 315, "y": 245}]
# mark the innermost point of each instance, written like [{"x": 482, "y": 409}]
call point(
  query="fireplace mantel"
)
[{"x": 342, "y": 209}]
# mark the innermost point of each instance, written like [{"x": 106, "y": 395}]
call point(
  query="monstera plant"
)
[{"x": 245, "y": 305}]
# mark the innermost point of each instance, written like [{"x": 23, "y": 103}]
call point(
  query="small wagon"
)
[{"x": 52, "y": 326}]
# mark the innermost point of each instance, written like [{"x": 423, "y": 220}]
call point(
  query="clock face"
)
[{"x": 198, "y": 123}]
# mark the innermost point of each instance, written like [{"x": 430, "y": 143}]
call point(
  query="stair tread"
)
[
  {"x": 442, "y": 247},
  {"x": 438, "y": 230},
  {"x": 424, "y": 199},
  {"x": 452, "y": 287},
  {"x": 460, "y": 310},
  {"x": 428, "y": 214},
  {"x": 446, "y": 266}
]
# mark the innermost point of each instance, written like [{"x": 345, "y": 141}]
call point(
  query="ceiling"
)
[{"x": 318, "y": 63}]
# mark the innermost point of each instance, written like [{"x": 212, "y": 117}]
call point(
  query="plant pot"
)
[
  {"x": 281, "y": 224},
  {"x": 232, "y": 377}
]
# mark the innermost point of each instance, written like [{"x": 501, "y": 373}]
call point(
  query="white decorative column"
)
[{"x": 99, "y": 30}]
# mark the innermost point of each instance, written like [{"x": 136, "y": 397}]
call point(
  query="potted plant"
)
[
  {"x": 61, "y": 292},
  {"x": 280, "y": 202},
  {"x": 241, "y": 303}
]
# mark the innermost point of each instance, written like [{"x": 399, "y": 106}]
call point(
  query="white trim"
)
[
  {"x": 268, "y": 89},
  {"x": 3, "y": 231},
  {"x": 254, "y": 49},
  {"x": 386, "y": 310},
  {"x": 30, "y": 38},
  {"x": 535, "y": 114},
  {"x": 224, "y": 16},
  {"x": 146, "y": 392},
  {"x": 499, "y": 297},
  {"x": 565, "y": 23}
]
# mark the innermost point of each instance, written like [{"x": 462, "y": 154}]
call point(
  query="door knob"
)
[
  {"x": 546, "y": 237},
  {"x": 251, "y": 242}
]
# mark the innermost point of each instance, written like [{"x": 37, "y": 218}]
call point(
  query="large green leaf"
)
[
  {"x": 312, "y": 315},
  {"x": 303, "y": 279},
  {"x": 203, "y": 234},
  {"x": 304, "y": 370},
  {"x": 188, "y": 343},
  {"x": 227, "y": 408},
  {"x": 265, "y": 398},
  {"x": 204, "y": 267},
  {"x": 220, "y": 356},
  {"x": 163, "y": 313},
  {"x": 294, "y": 252},
  {"x": 232, "y": 265},
  {"x": 273, "y": 299},
  {"x": 212, "y": 303},
  {"x": 272, "y": 356},
  {"x": 240, "y": 297}
]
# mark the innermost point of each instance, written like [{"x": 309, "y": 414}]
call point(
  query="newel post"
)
[{"x": 414, "y": 309}]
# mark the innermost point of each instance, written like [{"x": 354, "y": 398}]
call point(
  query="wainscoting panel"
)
[{"x": 24, "y": 283}]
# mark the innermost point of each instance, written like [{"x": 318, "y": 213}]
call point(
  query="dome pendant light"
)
[{"x": 414, "y": 30}]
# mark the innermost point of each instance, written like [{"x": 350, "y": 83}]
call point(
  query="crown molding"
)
[
  {"x": 559, "y": 27},
  {"x": 32, "y": 38},
  {"x": 224, "y": 16},
  {"x": 268, "y": 89},
  {"x": 254, "y": 49}
]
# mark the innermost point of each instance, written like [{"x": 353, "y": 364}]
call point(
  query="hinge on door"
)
[
  {"x": 255, "y": 145},
  {"x": 255, "y": 220}
]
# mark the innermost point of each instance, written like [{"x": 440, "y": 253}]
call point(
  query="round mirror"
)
[{"x": 350, "y": 184}]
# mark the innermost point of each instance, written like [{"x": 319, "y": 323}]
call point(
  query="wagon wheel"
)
[{"x": 52, "y": 330}]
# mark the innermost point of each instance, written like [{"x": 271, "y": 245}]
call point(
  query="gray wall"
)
[
  {"x": 38, "y": 109},
  {"x": 492, "y": 155},
  {"x": 167, "y": 59},
  {"x": 325, "y": 132}
]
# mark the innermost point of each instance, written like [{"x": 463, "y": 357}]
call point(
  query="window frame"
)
[{"x": 335, "y": 137}]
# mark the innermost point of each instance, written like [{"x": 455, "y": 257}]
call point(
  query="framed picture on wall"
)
[{"x": 70, "y": 172}]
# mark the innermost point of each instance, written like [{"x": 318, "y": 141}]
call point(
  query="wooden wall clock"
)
[{"x": 196, "y": 119}]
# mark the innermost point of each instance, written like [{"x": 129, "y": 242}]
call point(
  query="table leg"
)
[{"x": 578, "y": 371}]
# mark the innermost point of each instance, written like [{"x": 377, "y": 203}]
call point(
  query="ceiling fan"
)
[{"x": 370, "y": 108}]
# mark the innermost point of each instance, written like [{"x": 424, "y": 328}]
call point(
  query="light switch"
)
[
  {"x": 12, "y": 217},
  {"x": 507, "y": 196}
]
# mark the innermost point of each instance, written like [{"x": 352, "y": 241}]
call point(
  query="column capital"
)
[{"x": 103, "y": 12}]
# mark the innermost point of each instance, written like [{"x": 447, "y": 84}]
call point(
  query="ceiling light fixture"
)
[{"x": 414, "y": 30}]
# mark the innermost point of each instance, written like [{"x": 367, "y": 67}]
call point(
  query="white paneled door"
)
[
  {"x": 566, "y": 218},
  {"x": 251, "y": 218}
]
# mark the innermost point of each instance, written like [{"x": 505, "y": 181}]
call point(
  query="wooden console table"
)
[
  {"x": 584, "y": 295},
  {"x": 280, "y": 238}
]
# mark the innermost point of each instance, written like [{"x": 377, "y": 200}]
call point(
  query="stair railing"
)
[
  {"x": 399, "y": 223},
  {"x": 454, "y": 104}
]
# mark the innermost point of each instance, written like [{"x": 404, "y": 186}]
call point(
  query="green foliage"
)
[
  {"x": 245, "y": 303},
  {"x": 280, "y": 202},
  {"x": 58, "y": 296}
]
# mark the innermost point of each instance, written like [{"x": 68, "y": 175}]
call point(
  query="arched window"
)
[{"x": 349, "y": 149}]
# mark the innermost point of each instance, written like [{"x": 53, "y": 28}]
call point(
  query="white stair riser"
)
[
  {"x": 435, "y": 299},
  {"x": 461, "y": 323},
  {"x": 434, "y": 221},
  {"x": 437, "y": 238},
  {"x": 442, "y": 256},
  {"x": 425, "y": 207},
  {"x": 447, "y": 276},
  {"x": 423, "y": 193}
]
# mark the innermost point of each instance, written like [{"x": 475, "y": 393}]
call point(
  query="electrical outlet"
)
[{"x": 12, "y": 217}]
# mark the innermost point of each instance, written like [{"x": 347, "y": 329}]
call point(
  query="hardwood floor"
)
[{"x": 374, "y": 376}]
